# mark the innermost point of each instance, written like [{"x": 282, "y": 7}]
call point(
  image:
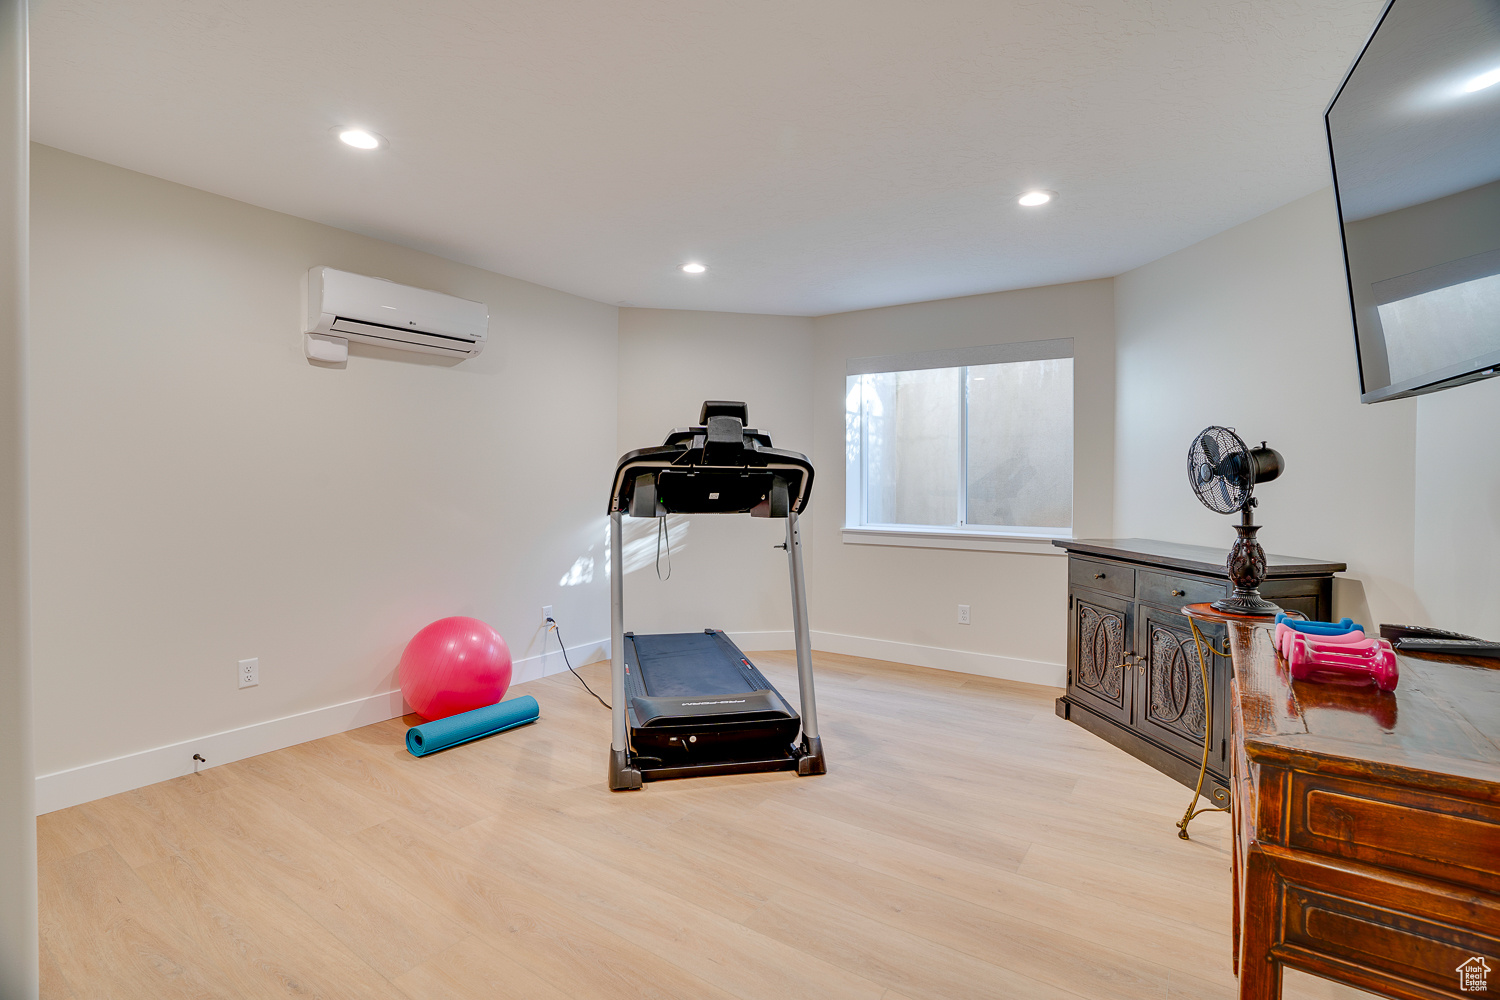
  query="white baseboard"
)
[
  {"x": 755, "y": 641},
  {"x": 120, "y": 774},
  {"x": 546, "y": 664},
  {"x": 146, "y": 767},
  {"x": 1010, "y": 668},
  {"x": 963, "y": 661}
]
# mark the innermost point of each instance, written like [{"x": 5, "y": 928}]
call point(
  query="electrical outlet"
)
[
  {"x": 963, "y": 614},
  {"x": 546, "y": 612},
  {"x": 249, "y": 672}
]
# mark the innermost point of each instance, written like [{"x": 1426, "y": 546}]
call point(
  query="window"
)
[{"x": 974, "y": 441}]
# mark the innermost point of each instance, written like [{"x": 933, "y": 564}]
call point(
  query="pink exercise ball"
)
[{"x": 454, "y": 665}]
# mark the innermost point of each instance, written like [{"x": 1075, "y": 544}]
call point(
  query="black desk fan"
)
[{"x": 1223, "y": 472}]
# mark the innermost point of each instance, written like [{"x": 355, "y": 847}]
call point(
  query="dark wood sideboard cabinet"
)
[{"x": 1133, "y": 676}]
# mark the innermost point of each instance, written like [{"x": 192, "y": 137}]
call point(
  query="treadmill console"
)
[{"x": 717, "y": 467}]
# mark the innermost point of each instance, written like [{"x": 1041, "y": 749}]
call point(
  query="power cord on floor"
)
[{"x": 552, "y": 627}]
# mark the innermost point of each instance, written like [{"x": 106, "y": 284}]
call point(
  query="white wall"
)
[
  {"x": 203, "y": 493},
  {"x": 901, "y": 602},
  {"x": 724, "y": 573},
  {"x": 18, "y": 918},
  {"x": 1250, "y": 329},
  {"x": 1458, "y": 508}
]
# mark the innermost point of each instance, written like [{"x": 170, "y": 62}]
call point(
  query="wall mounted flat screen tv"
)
[{"x": 1414, "y": 133}]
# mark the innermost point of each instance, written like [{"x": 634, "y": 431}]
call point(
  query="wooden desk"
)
[{"x": 1366, "y": 824}]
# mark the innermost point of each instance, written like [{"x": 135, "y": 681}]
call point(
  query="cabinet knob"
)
[
  {"x": 1179, "y": 593},
  {"x": 1098, "y": 576}
]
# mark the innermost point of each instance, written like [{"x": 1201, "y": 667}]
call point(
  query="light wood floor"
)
[{"x": 965, "y": 843}]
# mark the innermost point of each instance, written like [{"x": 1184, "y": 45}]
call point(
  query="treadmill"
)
[{"x": 688, "y": 704}]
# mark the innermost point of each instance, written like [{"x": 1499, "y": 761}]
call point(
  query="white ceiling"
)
[
  {"x": 817, "y": 155},
  {"x": 1404, "y": 128}
]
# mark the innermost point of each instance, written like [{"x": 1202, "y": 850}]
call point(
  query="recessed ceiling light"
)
[
  {"x": 1483, "y": 80},
  {"x": 693, "y": 268},
  {"x": 360, "y": 138},
  {"x": 1031, "y": 199}
]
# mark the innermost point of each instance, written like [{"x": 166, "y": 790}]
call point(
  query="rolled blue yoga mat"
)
[{"x": 466, "y": 727}]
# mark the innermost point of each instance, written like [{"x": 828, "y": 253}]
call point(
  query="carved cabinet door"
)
[
  {"x": 1169, "y": 706},
  {"x": 1099, "y": 638}
]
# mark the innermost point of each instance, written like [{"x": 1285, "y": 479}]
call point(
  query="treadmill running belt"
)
[{"x": 689, "y": 663}]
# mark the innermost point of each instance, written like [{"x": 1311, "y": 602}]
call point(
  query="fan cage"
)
[{"x": 1218, "y": 468}]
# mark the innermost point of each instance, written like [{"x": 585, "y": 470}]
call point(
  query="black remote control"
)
[
  {"x": 1452, "y": 647},
  {"x": 1394, "y": 632}
]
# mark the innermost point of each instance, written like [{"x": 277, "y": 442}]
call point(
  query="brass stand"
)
[{"x": 1191, "y": 813}]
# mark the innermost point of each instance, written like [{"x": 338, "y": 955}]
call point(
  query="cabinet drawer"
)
[
  {"x": 1173, "y": 592},
  {"x": 1424, "y": 833},
  {"x": 1418, "y": 939},
  {"x": 1111, "y": 577}
]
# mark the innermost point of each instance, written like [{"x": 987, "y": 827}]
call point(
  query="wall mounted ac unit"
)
[{"x": 342, "y": 307}]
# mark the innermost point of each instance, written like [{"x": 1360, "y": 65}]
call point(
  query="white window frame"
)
[{"x": 993, "y": 538}]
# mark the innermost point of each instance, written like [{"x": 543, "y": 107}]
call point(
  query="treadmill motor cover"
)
[{"x": 747, "y": 706}]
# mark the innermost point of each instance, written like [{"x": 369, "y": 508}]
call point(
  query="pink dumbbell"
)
[
  {"x": 1372, "y": 659},
  {"x": 1284, "y": 634}
]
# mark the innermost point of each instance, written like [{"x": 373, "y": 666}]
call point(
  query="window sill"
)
[{"x": 955, "y": 538}]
